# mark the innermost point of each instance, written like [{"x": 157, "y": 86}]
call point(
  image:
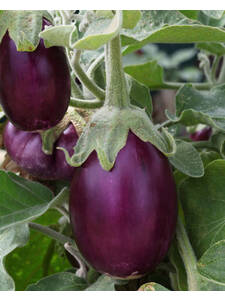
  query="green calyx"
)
[
  {"x": 107, "y": 132},
  {"x": 50, "y": 136}
]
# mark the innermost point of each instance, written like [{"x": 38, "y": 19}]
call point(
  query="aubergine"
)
[
  {"x": 25, "y": 148},
  {"x": 34, "y": 86},
  {"x": 123, "y": 220}
]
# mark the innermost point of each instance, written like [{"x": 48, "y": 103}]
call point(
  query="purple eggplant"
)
[
  {"x": 25, "y": 148},
  {"x": 34, "y": 86},
  {"x": 201, "y": 135},
  {"x": 124, "y": 220}
]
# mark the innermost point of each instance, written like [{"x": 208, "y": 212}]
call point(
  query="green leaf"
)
[
  {"x": 57, "y": 35},
  {"x": 212, "y": 263},
  {"x": 22, "y": 200},
  {"x": 149, "y": 74},
  {"x": 191, "y": 14},
  {"x": 152, "y": 287},
  {"x": 206, "y": 107},
  {"x": 140, "y": 96},
  {"x": 103, "y": 283},
  {"x": 100, "y": 31},
  {"x": 131, "y": 18},
  {"x": 26, "y": 267},
  {"x": 212, "y": 18},
  {"x": 214, "y": 48},
  {"x": 204, "y": 207},
  {"x": 168, "y": 27},
  {"x": 187, "y": 160},
  {"x": 64, "y": 281},
  {"x": 24, "y": 28},
  {"x": 216, "y": 14},
  {"x": 209, "y": 156},
  {"x": 147, "y": 67},
  {"x": 10, "y": 239}
]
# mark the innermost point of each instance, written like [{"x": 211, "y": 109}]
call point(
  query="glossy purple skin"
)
[
  {"x": 34, "y": 86},
  {"x": 124, "y": 220},
  {"x": 25, "y": 148},
  {"x": 201, "y": 135}
]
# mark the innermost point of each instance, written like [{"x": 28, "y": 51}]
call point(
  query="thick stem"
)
[
  {"x": 116, "y": 85},
  {"x": 188, "y": 257},
  {"x": 88, "y": 83},
  {"x": 93, "y": 103}
]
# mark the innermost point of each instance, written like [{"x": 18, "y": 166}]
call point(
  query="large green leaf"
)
[
  {"x": 206, "y": 107},
  {"x": 169, "y": 27},
  {"x": 58, "y": 35},
  {"x": 140, "y": 96},
  {"x": 64, "y": 281},
  {"x": 22, "y": 200},
  {"x": 149, "y": 74},
  {"x": 41, "y": 256},
  {"x": 187, "y": 160},
  {"x": 203, "y": 202},
  {"x": 212, "y": 263},
  {"x": 99, "y": 32},
  {"x": 131, "y": 18},
  {"x": 10, "y": 239}
]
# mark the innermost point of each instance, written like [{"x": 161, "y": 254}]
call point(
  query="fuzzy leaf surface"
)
[
  {"x": 10, "y": 239},
  {"x": 22, "y": 200},
  {"x": 64, "y": 281}
]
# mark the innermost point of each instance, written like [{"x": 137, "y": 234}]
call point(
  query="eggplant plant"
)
[{"x": 110, "y": 199}]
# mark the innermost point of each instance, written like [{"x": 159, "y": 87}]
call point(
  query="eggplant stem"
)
[{"x": 88, "y": 82}]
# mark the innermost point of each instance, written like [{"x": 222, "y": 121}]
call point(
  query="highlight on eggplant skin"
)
[
  {"x": 34, "y": 86},
  {"x": 124, "y": 220},
  {"x": 25, "y": 148}
]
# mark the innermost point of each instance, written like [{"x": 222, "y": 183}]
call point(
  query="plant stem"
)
[
  {"x": 51, "y": 233},
  {"x": 95, "y": 65},
  {"x": 82, "y": 271},
  {"x": 75, "y": 89},
  {"x": 214, "y": 67},
  {"x": 88, "y": 83},
  {"x": 63, "y": 211},
  {"x": 221, "y": 78},
  {"x": 93, "y": 103},
  {"x": 188, "y": 256},
  {"x": 116, "y": 85},
  {"x": 177, "y": 85}
]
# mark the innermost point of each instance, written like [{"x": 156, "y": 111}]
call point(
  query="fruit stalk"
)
[{"x": 116, "y": 85}]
